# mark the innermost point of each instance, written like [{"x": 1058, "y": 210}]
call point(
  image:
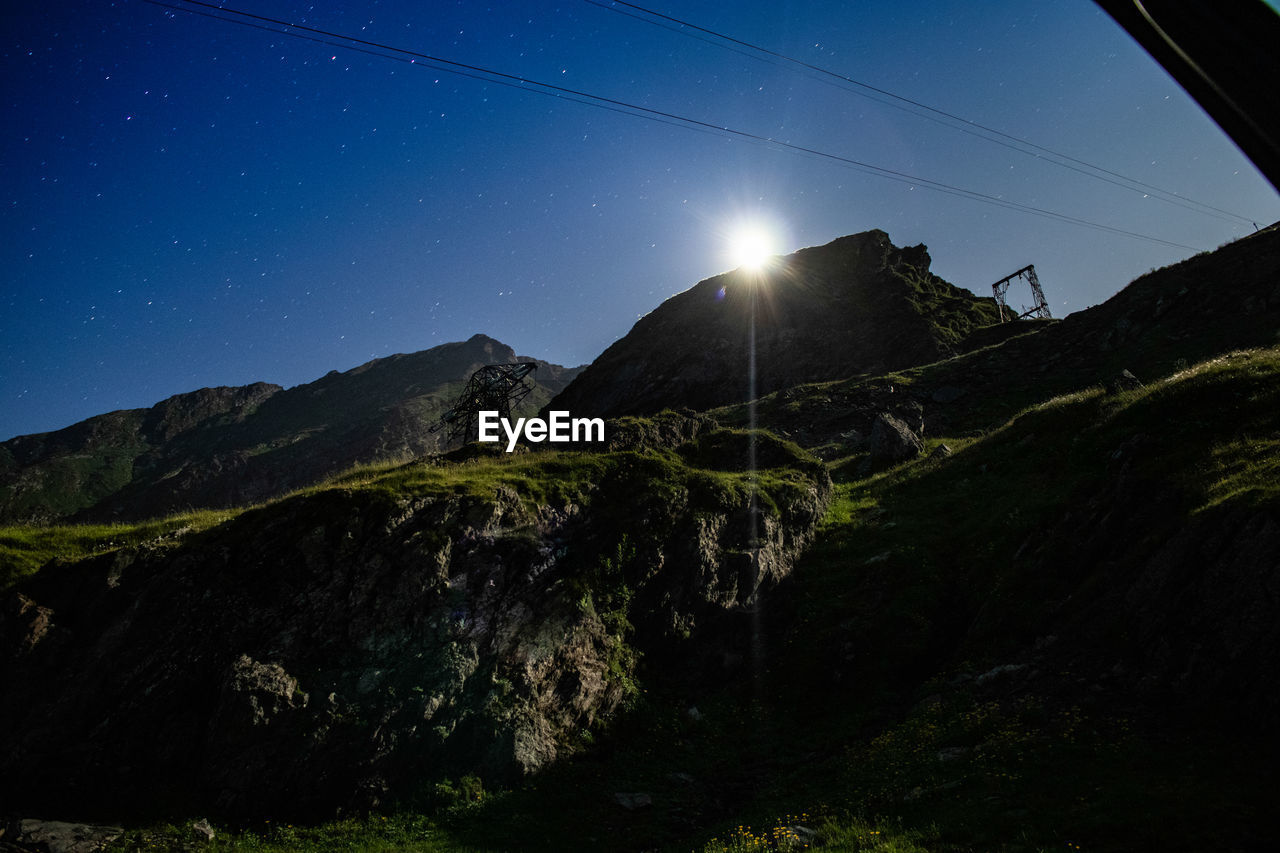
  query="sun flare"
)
[{"x": 751, "y": 247}]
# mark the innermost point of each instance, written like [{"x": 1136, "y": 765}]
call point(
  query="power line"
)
[
  {"x": 905, "y": 105},
  {"x": 526, "y": 84},
  {"x": 934, "y": 114},
  {"x": 368, "y": 51}
]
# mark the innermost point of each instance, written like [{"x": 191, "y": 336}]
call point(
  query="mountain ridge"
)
[
  {"x": 1159, "y": 323},
  {"x": 1050, "y": 618},
  {"x": 858, "y": 304},
  {"x": 217, "y": 447}
]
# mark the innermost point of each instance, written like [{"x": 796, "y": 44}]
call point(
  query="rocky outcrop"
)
[
  {"x": 663, "y": 430},
  {"x": 57, "y": 836},
  {"x": 221, "y": 447},
  {"x": 347, "y": 647},
  {"x": 891, "y": 442},
  {"x": 835, "y": 419},
  {"x": 856, "y": 305}
]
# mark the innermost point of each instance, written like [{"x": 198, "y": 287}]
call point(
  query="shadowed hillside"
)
[{"x": 222, "y": 447}]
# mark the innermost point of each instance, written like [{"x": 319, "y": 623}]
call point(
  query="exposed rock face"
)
[
  {"x": 892, "y": 441},
  {"x": 57, "y": 836},
  {"x": 1126, "y": 381},
  {"x": 221, "y": 447},
  {"x": 858, "y": 304},
  {"x": 666, "y": 429},
  {"x": 343, "y": 648}
]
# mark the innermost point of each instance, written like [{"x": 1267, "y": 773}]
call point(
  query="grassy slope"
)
[
  {"x": 24, "y": 549},
  {"x": 1045, "y": 766},
  {"x": 539, "y": 479},
  {"x": 835, "y": 735}
]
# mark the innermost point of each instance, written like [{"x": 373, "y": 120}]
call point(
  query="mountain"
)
[
  {"x": 336, "y": 648},
  {"x": 1160, "y": 323},
  {"x": 1020, "y": 598},
  {"x": 856, "y": 305},
  {"x": 221, "y": 447}
]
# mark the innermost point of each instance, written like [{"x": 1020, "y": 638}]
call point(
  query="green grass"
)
[
  {"x": 696, "y": 479},
  {"x": 24, "y": 549},
  {"x": 914, "y": 559},
  {"x": 537, "y": 479}
]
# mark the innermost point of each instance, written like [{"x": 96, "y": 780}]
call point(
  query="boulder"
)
[
  {"x": 892, "y": 441},
  {"x": 1124, "y": 381}
]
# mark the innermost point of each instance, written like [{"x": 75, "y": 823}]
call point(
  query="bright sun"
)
[{"x": 751, "y": 247}]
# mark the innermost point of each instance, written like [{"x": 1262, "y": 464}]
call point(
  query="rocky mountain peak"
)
[
  {"x": 857, "y": 304},
  {"x": 493, "y": 348}
]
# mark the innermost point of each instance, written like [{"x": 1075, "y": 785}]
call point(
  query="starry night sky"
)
[{"x": 189, "y": 202}]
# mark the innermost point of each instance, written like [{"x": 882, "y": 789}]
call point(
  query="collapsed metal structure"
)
[
  {"x": 492, "y": 388},
  {"x": 1041, "y": 307}
]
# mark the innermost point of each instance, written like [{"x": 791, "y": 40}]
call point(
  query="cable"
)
[
  {"x": 1004, "y": 139},
  {"x": 424, "y": 64},
  {"x": 384, "y": 51},
  {"x": 1146, "y": 189}
]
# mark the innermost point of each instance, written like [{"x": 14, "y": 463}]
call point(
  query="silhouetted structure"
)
[
  {"x": 1040, "y": 309},
  {"x": 492, "y": 388}
]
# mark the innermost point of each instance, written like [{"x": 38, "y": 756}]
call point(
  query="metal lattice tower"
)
[
  {"x": 1041, "y": 307},
  {"x": 492, "y": 388}
]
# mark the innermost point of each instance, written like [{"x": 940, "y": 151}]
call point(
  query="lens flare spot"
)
[{"x": 751, "y": 247}]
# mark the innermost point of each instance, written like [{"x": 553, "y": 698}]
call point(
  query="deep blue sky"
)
[{"x": 191, "y": 203}]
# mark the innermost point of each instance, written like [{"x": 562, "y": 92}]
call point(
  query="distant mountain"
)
[
  {"x": 856, "y": 305},
  {"x": 220, "y": 447}
]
